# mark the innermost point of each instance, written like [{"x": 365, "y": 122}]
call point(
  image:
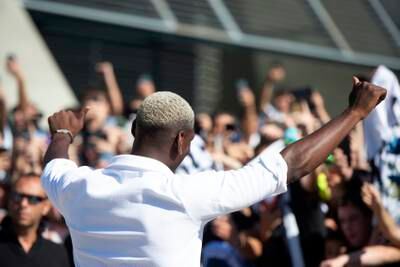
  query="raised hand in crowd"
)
[
  {"x": 13, "y": 66},
  {"x": 387, "y": 225},
  {"x": 371, "y": 197},
  {"x": 114, "y": 92},
  {"x": 275, "y": 74},
  {"x": 15, "y": 70},
  {"x": 320, "y": 110},
  {"x": 250, "y": 117}
]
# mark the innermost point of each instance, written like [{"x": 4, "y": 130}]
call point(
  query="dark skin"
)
[
  {"x": 170, "y": 146},
  {"x": 308, "y": 153}
]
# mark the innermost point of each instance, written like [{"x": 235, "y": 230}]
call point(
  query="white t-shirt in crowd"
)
[
  {"x": 137, "y": 212},
  {"x": 380, "y": 123}
]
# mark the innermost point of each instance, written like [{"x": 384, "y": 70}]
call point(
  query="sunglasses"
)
[{"x": 33, "y": 200}]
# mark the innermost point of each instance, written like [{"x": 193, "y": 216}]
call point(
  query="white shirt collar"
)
[{"x": 139, "y": 162}]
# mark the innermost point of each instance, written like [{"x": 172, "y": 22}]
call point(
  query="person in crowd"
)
[
  {"x": 205, "y": 124},
  {"x": 25, "y": 115},
  {"x": 275, "y": 75},
  {"x": 386, "y": 223},
  {"x": 100, "y": 137},
  {"x": 112, "y": 88},
  {"x": 122, "y": 114},
  {"x": 144, "y": 87},
  {"x": 355, "y": 220},
  {"x": 55, "y": 228},
  {"x": 363, "y": 246},
  {"x": 334, "y": 244},
  {"x": 29, "y": 140},
  {"x": 5, "y": 128},
  {"x": 382, "y": 141},
  {"x": 198, "y": 159},
  {"x": 4, "y": 191},
  {"x": 21, "y": 243},
  {"x": 231, "y": 246},
  {"x": 227, "y": 149},
  {"x": 249, "y": 121}
]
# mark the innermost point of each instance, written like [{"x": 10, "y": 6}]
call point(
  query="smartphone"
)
[
  {"x": 241, "y": 84},
  {"x": 302, "y": 93},
  {"x": 145, "y": 77}
]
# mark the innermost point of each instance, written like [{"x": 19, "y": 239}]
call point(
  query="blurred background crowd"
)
[
  {"x": 345, "y": 213},
  {"x": 297, "y": 57}
]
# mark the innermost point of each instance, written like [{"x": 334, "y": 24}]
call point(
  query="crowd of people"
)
[{"x": 345, "y": 213}]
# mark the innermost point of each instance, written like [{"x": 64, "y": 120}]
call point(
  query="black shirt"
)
[
  {"x": 42, "y": 254},
  {"x": 306, "y": 207}
]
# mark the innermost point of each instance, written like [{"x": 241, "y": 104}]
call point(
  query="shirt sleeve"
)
[
  {"x": 55, "y": 178},
  {"x": 209, "y": 194}
]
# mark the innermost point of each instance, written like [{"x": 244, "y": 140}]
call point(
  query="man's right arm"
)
[
  {"x": 209, "y": 194},
  {"x": 308, "y": 153}
]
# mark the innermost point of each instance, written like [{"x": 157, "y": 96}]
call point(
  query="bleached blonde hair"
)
[{"x": 165, "y": 110}]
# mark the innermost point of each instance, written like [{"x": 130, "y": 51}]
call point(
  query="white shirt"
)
[
  {"x": 378, "y": 125},
  {"x": 137, "y": 212}
]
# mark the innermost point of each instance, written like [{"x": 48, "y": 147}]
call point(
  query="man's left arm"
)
[{"x": 64, "y": 126}]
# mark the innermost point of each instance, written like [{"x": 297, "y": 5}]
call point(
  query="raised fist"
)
[
  {"x": 69, "y": 120},
  {"x": 365, "y": 97}
]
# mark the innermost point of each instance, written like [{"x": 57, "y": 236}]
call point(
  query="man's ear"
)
[
  {"x": 133, "y": 128},
  {"x": 180, "y": 138}
]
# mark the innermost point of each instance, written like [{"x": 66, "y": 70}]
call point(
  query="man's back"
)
[
  {"x": 137, "y": 212},
  {"x": 128, "y": 214}
]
